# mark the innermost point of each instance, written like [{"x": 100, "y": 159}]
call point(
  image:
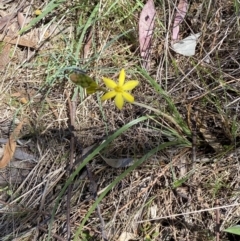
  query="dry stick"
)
[
  {"x": 194, "y": 138},
  {"x": 189, "y": 213},
  {"x": 72, "y": 113},
  {"x": 217, "y": 221},
  {"x": 192, "y": 124},
  {"x": 104, "y": 235}
]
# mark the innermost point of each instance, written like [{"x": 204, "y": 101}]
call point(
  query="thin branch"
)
[
  {"x": 217, "y": 228},
  {"x": 72, "y": 114}
]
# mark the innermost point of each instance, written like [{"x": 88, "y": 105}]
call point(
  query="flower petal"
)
[
  {"x": 122, "y": 76},
  {"x": 128, "y": 97},
  {"x": 130, "y": 85},
  {"x": 109, "y": 83},
  {"x": 108, "y": 95},
  {"x": 119, "y": 101}
]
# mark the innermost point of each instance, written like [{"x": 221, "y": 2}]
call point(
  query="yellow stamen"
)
[{"x": 118, "y": 89}]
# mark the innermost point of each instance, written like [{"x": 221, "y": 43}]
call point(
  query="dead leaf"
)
[
  {"x": 4, "y": 56},
  {"x": 20, "y": 154},
  {"x": 88, "y": 44},
  {"x": 10, "y": 146},
  {"x": 22, "y": 41},
  {"x": 118, "y": 163},
  {"x": 186, "y": 46},
  {"x": 21, "y": 19},
  {"x": 179, "y": 16},
  {"x": 146, "y": 24}
]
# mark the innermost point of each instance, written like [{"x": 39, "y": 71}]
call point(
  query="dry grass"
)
[{"x": 204, "y": 89}]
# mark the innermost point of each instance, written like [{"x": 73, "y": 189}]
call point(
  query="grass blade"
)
[{"x": 233, "y": 230}]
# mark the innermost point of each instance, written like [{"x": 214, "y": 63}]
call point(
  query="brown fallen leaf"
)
[
  {"x": 22, "y": 41},
  {"x": 21, "y": 154},
  {"x": 5, "y": 56},
  {"x": 10, "y": 146},
  {"x": 88, "y": 44},
  {"x": 118, "y": 162},
  {"x": 21, "y": 19},
  {"x": 146, "y": 24},
  {"x": 180, "y": 15}
]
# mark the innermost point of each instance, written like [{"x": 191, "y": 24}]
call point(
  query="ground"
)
[{"x": 163, "y": 168}]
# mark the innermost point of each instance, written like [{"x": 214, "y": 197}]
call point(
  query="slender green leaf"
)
[
  {"x": 177, "y": 183},
  {"x": 233, "y": 230}
]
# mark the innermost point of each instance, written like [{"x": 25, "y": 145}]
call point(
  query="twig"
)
[
  {"x": 72, "y": 113},
  {"x": 104, "y": 235},
  {"x": 192, "y": 123},
  {"x": 217, "y": 228},
  {"x": 189, "y": 213},
  {"x": 194, "y": 137}
]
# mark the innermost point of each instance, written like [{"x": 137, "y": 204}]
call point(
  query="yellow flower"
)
[
  {"x": 38, "y": 12},
  {"x": 119, "y": 90}
]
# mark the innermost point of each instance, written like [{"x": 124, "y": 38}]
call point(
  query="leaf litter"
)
[
  {"x": 10, "y": 146},
  {"x": 148, "y": 186},
  {"x": 18, "y": 16}
]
